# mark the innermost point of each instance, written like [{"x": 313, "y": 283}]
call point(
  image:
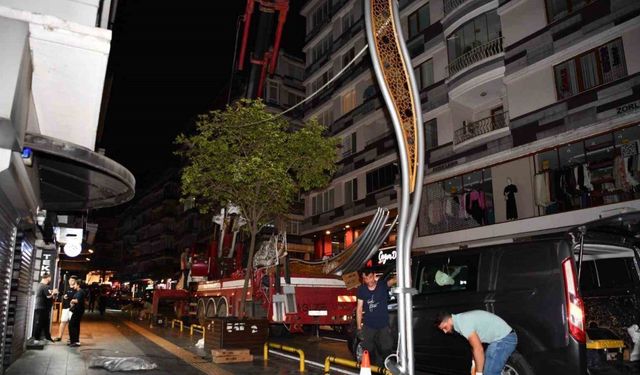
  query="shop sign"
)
[
  {"x": 48, "y": 259},
  {"x": 628, "y": 108},
  {"x": 385, "y": 256}
]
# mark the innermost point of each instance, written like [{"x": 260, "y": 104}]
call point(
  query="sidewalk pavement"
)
[{"x": 115, "y": 335}]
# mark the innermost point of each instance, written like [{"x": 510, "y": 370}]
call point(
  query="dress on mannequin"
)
[{"x": 510, "y": 195}]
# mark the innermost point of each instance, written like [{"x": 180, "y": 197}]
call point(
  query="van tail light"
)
[{"x": 575, "y": 307}]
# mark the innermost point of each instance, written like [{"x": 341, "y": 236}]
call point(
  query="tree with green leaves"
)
[{"x": 247, "y": 156}]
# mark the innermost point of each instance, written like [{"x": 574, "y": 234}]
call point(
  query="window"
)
[
  {"x": 351, "y": 191},
  {"x": 328, "y": 198},
  {"x": 347, "y": 21},
  {"x": 474, "y": 33},
  {"x": 608, "y": 273},
  {"x": 424, "y": 74},
  {"x": 320, "y": 81},
  {"x": 320, "y": 15},
  {"x": 348, "y": 101},
  {"x": 348, "y": 56},
  {"x": 419, "y": 20},
  {"x": 448, "y": 274},
  {"x": 381, "y": 178},
  {"x": 293, "y": 99},
  {"x": 316, "y": 204},
  {"x": 349, "y": 144},
  {"x": 556, "y": 9},
  {"x": 293, "y": 227},
  {"x": 273, "y": 91},
  {"x": 326, "y": 118},
  {"x": 321, "y": 49},
  {"x": 431, "y": 133},
  {"x": 322, "y": 202},
  {"x": 593, "y": 68}
]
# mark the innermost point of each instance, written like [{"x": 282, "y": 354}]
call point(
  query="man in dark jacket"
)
[
  {"x": 77, "y": 310},
  {"x": 42, "y": 313}
]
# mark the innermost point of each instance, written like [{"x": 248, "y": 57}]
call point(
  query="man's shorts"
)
[{"x": 66, "y": 315}]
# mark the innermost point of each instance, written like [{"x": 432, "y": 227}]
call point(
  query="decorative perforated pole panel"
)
[{"x": 393, "y": 71}]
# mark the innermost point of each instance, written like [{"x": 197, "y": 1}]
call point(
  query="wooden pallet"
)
[{"x": 231, "y": 356}]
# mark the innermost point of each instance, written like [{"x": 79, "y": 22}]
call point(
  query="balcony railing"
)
[
  {"x": 476, "y": 54},
  {"x": 480, "y": 127},
  {"x": 450, "y": 5}
]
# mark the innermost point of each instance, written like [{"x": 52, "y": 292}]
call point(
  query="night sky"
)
[{"x": 171, "y": 61}]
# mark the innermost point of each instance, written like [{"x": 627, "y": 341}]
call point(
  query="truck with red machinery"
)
[{"x": 289, "y": 293}]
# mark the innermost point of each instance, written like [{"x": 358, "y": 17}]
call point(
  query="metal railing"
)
[
  {"x": 352, "y": 364},
  {"x": 450, "y": 5},
  {"x": 284, "y": 348},
  {"x": 483, "y": 126},
  {"x": 476, "y": 54}
]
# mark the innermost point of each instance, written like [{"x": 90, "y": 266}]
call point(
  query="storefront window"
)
[
  {"x": 595, "y": 171},
  {"x": 458, "y": 203}
]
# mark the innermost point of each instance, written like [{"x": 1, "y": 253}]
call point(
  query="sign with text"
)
[
  {"x": 48, "y": 262},
  {"x": 385, "y": 257}
]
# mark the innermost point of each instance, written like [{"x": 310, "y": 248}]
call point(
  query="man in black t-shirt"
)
[
  {"x": 372, "y": 317},
  {"x": 77, "y": 310},
  {"x": 42, "y": 310}
]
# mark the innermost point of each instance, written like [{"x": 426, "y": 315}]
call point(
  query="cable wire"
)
[{"x": 313, "y": 94}]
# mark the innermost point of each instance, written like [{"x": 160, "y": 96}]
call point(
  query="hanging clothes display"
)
[
  {"x": 510, "y": 196},
  {"x": 541, "y": 192},
  {"x": 477, "y": 205}
]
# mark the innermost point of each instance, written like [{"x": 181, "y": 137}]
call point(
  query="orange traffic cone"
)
[{"x": 365, "y": 364}]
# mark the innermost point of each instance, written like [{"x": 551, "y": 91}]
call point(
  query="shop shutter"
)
[
  {"x": 20, "y": 302},
  {"x": 7, "y": 242}
]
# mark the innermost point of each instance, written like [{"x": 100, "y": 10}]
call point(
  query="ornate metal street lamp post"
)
[{"x": 394, "y": 73}]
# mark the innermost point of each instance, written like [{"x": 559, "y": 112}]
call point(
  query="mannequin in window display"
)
[{"x": 510, "y": 196}]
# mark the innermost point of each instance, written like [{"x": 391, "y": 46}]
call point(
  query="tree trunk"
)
[{"x": 247, "y": 273}]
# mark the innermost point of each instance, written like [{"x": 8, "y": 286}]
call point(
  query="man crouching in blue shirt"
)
[
  {"x": 479, "y": 326},
  {"x": 372, "y": 317}
]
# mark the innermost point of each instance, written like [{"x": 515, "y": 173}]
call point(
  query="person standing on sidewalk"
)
[
  {"x": 66, "y": 314},
  {"x": 42, "y": 313},
  {"x": 77, "y": 310},
  {"x": 372, "y": 316},
  {"x": 478, "y": 327}
]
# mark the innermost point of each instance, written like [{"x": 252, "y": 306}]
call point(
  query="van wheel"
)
[{"x": 517, "y": 365}]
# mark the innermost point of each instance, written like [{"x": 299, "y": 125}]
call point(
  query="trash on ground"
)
[
  {"x": 200, "y": 344},
  {"x": 122, "y": 363}
]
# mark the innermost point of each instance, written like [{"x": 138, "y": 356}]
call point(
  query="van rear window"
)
[
  {"x": 447, "y": 274},
  {"x": 608, "y": 273},
  {"x": 614, "y": 273}
]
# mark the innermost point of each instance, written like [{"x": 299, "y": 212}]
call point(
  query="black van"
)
[{"x": 533, "y": 286}]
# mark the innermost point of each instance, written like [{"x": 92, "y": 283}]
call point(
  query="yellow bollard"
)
[
  {"x": 178, "y": 321},
  {"x": 352, "y": 364},
  {"x": 284, "y": 348},
  {"x": 196, "y": 327}
]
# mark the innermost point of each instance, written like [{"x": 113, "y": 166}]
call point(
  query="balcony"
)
[
  {"x": 451, "y": 5},
  {"x": 480, "y": 127},
  {"x": 478, "y": 53}
]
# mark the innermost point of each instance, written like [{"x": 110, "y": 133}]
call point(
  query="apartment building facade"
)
[{"x": 530, "y": 108}]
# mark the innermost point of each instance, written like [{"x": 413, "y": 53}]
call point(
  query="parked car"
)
[{"x": 534, "y": 287}]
